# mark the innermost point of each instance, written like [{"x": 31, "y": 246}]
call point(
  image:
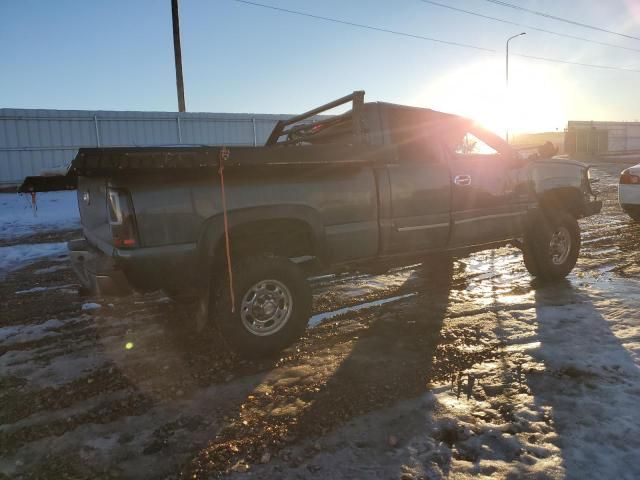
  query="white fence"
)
[
  {"x": 35, "y": 140},
  {"x": 603, "y": 137}
]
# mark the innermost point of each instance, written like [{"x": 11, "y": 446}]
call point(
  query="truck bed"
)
[{"x": 91, "y": 162}]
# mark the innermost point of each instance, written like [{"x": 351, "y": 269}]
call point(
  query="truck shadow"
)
[
  {"x": 347, "y": 369},
  {"x": 589, "y": 385},
  {"x": 391, "y": 359}
]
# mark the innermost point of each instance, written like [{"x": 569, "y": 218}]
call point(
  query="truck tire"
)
[
  {"x": 272, "y": 306},
  {"x": 552, "y": 246}
]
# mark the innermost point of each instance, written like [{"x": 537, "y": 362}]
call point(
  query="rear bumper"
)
[
  {"x": 96, "y": 271},
  {"x": 630, "y": 209},
  {"x": 629, "y": 194}
]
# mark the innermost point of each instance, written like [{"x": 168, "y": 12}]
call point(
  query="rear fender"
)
[{"x": 212, "y": 232}]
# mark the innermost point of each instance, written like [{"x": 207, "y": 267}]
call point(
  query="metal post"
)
[
  {"x": 177, "y": 52},
  {"x": 507, "y": 82},
  {"x": 95, "y": 124},
  {"x": 255, "y": 136},
  {"x": 179, "y": 129}
]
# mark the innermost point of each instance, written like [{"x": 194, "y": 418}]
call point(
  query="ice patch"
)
[
  {"x": 55, "y": 211},
  {"x": 91, "y": 306},
  {"x": 44, "y": 289},
  {"x": 323, "y": 317},
  {"x": 17, "y": 256},
  {"x": 54, "y": 268}
]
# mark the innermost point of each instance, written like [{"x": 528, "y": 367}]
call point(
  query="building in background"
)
[
  {"x": 592, "y": 138},
  {"x": 33, "y": 141}
]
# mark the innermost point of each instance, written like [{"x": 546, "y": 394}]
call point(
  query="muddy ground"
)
[{"x": 473, "y": 370}]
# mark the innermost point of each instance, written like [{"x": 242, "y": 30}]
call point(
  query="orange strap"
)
[{"x": 224, "y": 155}]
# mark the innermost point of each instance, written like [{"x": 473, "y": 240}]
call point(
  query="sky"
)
[{"x": 118, "y": 55}]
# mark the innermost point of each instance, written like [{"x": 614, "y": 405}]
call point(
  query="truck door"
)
[
  {"x": 420, "y": 194},
  {"x": 486, "y": 190}
]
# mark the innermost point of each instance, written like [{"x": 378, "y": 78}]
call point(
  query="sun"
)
[{"x": 536, "y": 100}]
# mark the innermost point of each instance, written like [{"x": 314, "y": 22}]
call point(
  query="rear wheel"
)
[
  {"x": 552, "y": 246},
  {"x": 272, "y": 306}
]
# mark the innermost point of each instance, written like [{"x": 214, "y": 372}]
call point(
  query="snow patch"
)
[
  {"x": 23, "y": 333},
  {"x": 323, "y": 317},
  {"x": 44, "y": 289},
  {"x": 91, "y": 306},
  {"x": 52, "y": 269},
  {"x": 55, "y": 211},
  {"x": 15, "y": 257}
]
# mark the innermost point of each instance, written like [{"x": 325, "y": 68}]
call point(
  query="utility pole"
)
[
  {"x": 177, "y": 52},
  {"x": 507, "y": 82}
]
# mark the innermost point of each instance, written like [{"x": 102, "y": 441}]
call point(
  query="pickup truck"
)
[{"x": 378, "y": 186}]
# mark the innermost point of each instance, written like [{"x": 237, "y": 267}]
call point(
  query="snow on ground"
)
[
  {"x": 91, "y": 306},
  {"x": 15, "y": 257},
  {"x": 55, "y": 211},
  {"x": 44, "y": 289},
  {"x": 52, "y": 269},
  {"x": 319, "y": 318},
  {"x": 22, "y": 333}
]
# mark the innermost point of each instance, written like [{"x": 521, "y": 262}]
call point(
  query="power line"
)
[
  {"x": 420, "y": 37},
  {"x": 529, "y": 27},
  {"x": 560, "y": 19},
  {"x": 591, "y": 65},
  {"x": 368, "y": 27}
]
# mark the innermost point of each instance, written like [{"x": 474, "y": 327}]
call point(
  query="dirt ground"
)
[{"x": 470, "y": 369}]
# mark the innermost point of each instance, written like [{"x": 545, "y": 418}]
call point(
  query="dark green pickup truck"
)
[{"x": 378, "y": 186}]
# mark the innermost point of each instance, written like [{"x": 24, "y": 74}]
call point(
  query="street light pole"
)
[
  {"x": 507, "y": 79},
  {"x": 177, "y": 53}
]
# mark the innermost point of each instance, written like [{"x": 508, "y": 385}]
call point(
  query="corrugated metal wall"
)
[
  {"x": 35, "y": 140},
  {"x": 624, "y": 138},
  {"x": 603, "y": 137}
]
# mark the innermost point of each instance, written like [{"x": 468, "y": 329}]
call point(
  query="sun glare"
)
[{"x": 536, "y": 100}]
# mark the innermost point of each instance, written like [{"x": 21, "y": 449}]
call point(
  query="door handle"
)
[{"x": 462, "y": 180}]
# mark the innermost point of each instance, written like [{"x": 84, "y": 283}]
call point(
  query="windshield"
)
[{"x": 472, "y": 145}]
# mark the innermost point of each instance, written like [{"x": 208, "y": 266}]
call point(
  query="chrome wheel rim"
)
[
  {"x": 266, "y": 307},
  {"x": 560, "y": 245}
]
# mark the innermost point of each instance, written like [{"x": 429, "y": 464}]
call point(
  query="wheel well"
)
[
  {"x": 567, "y": 199},
  {"x": 287, "y": 238}
]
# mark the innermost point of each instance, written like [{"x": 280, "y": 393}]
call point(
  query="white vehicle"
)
[{"x": 629, "y": 191}]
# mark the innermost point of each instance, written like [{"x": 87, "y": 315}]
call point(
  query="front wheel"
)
[
  {"x": 552, "y": 245},
  {"x": 272, "y": 306}
]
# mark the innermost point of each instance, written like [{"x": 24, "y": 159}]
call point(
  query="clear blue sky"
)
[{"x": 118, "y": 54}]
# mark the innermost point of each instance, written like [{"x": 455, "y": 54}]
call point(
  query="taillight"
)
[
  {"x": 627, "y": 178},
  {"x": 121, "y": 219}
]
